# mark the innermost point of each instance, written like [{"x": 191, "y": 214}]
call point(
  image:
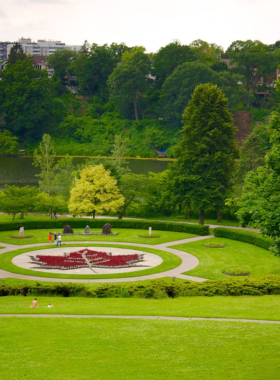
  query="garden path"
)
[
  {"x": 139, "y": 317},
  {"x": 188, "y": 262}
]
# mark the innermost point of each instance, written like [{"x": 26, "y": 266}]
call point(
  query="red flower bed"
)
[{"x": 87, "y": 258}]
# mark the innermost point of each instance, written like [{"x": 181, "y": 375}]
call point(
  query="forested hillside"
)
[{"x": 114, "y": 90}]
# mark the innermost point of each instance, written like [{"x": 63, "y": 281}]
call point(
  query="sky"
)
[{"x": 149, "y": 23}]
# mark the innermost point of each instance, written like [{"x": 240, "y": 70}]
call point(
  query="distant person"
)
[
  {"x": 50, "y": 305},
  {"x": 50, "y": 237},
  {"x": 58, "y": 240},
  {"x": 34, "y": 303},
  {"x": 55, "y": 238}
]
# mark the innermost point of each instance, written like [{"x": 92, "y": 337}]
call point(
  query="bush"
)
[
  {"x": 99, "y": 223},
  {"x": 245, "y": 236},
  {"x": 251, "y": 286}
]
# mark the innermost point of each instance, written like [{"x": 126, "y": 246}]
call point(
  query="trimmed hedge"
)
[
  {"x": 243, "y": 235},
  {"x": 99, "y": 223},
  {"x": 252, "y": 286}
]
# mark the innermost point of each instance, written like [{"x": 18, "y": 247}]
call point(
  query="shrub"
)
[
  {"x": 99, "y": 223},
  {"x": 251, "y": 286},
  {"x": 245, "y": 236}
]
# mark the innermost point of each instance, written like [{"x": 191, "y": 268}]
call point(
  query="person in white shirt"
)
[{"x": 58, "y": 240}]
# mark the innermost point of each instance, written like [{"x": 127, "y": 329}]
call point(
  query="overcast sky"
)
[{"x": 150, "y": 23}]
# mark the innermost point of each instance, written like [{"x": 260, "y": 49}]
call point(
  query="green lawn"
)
[
  {"x": 124, "y": 235},
  {"x": 214, "y": 261},
  {"x": 244, "y": 307},
  {"x": 196, "y": 220},
  {"x": 170, "y": 261},
  {"x": 70, "y": 348}
]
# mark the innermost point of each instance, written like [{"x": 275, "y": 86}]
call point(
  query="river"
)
[{"x": 19, "y": 170}]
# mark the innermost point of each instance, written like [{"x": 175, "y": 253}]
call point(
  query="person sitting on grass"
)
[
  {"x": 50, "y": 305},
  {"x": 34, "y": 303}
]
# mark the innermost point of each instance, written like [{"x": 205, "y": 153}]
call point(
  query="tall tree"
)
[
  {"x": 207, "y": 151},
  {"x": 129, "y": 80},
  {"x": 16, "y": 54},
  {"x": 94, "y": 192}
]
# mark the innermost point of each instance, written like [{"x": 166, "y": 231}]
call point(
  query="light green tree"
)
[
  {"x": 50, "y": 205},
  {"x": 94, "y": 192},
  {"x": 63, "y": 177}
]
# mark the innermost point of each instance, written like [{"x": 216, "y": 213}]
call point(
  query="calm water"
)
[{"x": 19, "y": 171}]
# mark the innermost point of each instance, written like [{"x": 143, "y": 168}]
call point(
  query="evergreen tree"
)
[
  {"x": 207, "y": 151},
  {"x": 16, "y": 54}
]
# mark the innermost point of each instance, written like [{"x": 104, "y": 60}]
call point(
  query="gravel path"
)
[
  {"x": 138, "y": 317},
  {"x": 188, "y": 262}
]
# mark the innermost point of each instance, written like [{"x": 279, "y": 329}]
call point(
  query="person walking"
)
[
  {"x": 50, "y": 237},
  {"x": 58, "y": 240},
  {"x": 55, "y": 237}
]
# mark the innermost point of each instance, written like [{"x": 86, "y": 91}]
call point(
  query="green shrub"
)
[
  {"x": 99, "y": 223},
  {"x": 243, "y": 235},
  {"x": 252, "y": 286}
]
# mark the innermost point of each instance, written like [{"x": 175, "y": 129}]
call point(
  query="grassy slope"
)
[
  {"x": 124, "y": 235},
  {"x": 214, "y": 261},
  {"x": 170, "y": 261},
  {"x": 65, "y": 349},
  {"x": 244, "y": 307}
]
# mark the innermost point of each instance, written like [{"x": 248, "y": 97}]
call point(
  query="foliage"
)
[
  {"x": 129, "y": 81},
  {"x": 257, "y": 285},
  {"x": 61, "y": 60},
  {"x": 27, "y": 101},
  {"x": 18, "y": 200},
  {"x": 63, "y": 177},
  {"x": 253, "y": 60},
  {"x": 180, "y": 85},
  {"x": 8, "y": 144},
  {"x": 95, "y": 192},
  {"x": 120, "y": 150},
  {"x": 168, "y": 58},
  {"x": 207, "y": 151},
  {"x": 134, "y": 188},
  {"x": 50, "y": 204},
  {"x": 259, "y": 203},
  {"x": 243, "y": 235}
]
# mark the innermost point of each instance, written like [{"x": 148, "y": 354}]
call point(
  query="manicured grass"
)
[
  {"x": 70, "y": 348},
  {"x": 244, "y": 307},
  {"x": 170, "y": 261},
  {"x": 124, "y": 235},
  {"x": 214, "y": 261}
]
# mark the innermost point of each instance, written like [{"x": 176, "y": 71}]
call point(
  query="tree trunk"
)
[
  {"x": 219, "y": 216},
  {"x": 120, "y": 216},
  {"x": 135, "y": 107},
  {"x": 93, "y": 214},
  {"x": 201, "y": 217},
  {"x": 187, "y": 213}
]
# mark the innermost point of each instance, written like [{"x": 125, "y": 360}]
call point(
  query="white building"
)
[{"x": 42, "y": 47}]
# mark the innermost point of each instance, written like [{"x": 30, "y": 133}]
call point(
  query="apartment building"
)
[
  {"x": 3, "y": 50},
  {"x": 42, "y": 47}
]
